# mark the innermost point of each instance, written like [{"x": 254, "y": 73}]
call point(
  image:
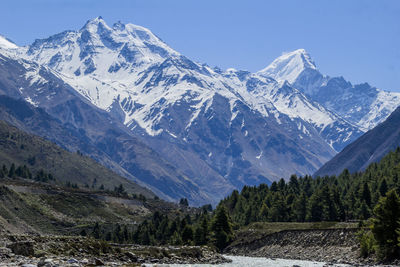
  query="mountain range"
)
[
  {"x": 182, "y": 128},
  {"x": 75, "y": 124}
]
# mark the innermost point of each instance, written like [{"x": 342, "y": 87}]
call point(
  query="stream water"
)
[{"x": 240, "y": 261}]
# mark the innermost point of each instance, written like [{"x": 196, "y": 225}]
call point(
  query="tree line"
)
[
  {"x": 370, "y": 197},
  {"x": 22, "y": 171},
  {"x": 204, "y": 228},
  {"x": 344, "y": 197}
]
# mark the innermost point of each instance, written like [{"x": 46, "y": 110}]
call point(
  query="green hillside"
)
[
  {"x": 44, "y": 209},
  {"x": 36, "y": 154}
]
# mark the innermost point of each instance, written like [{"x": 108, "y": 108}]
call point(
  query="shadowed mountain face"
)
[
  {"x": 219, "y": 130},
  {"x": 70, "y": 121},
  {"x": 37, "y": 154},
  {"x": 369, "y": 148}
]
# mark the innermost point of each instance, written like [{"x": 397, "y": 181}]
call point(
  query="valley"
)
[{"x": 118, "y": 150}]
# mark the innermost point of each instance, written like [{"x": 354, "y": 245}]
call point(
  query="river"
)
[{"x": 240, "y": 261}]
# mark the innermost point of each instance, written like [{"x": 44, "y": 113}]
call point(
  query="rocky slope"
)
[
  {"x": 329, "y": 245},
  {"x": 52, "y": 251}
]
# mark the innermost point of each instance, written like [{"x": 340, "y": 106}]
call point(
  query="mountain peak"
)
[
  {"x": 99, "y": 26},
  {"x": 99, "y": 49},
  {"x": 96, "y": 20},
  {"x": 6, "y": 43},
  {"x": 94, "y": 23},
  {"x": 289, "y": 66}
]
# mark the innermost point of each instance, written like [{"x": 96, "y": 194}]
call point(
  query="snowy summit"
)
[{"x": 289, "y": 66}]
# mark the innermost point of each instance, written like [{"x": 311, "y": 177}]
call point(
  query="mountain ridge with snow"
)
[
  {"x": 361, "y": 104},
  {"x": 119, "y": 70},
  {"x": 233, "y": 127}
]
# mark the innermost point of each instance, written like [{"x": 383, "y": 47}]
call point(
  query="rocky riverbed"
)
[
  {"x": 52, "y": 251},
  {"x": 332, "y": 247}
]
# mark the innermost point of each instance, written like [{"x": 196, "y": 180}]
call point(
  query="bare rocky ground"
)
[
  {"x": 52, "y": 251},
  {"x": 329, "y": 245}
]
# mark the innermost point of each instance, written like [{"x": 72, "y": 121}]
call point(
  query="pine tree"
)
[
  {"x": 5, "y": 170},
  {"x": 385, "y": 225},
  {"x": 184, "y": 202},
  {"x": 11, "y": 173},
  {"x": 329, "y": 212},
  {"x": 222, "y": 228},
  {"x": 142, "y": 234},
  {"x": 383, "y": 188},
  {"x": 125, "y": 234},
  {"x": 187, "y": 234},
  {"x": 202, "y": 231},
  {"x": 96, "y": 231},
  {"x": 294, "y": 184},
  {"x": 366, "y": 194},
  {"x": 277, "y": 212},
  {"x": 183, "y": 223},
  {"x": 281, "y": 184},
  {"x": 364, "y": 212},
  {"x": 274, "y": 187},
  {"x": 162, "y": 233},
  {"x": 174, "y": 227},
  {"x": 300, "y": 208},
  {"x": 198, "y": 236},
  {"x": 108, "y": 236},
  {"x": 118, "y": 236},
  {"x": 263, "y": 215},
  {"x": 315, "y": 208},
  {"x": 144, "y": 237},
  {"x": 176, "y": 239},
  {"x": 120, "y": 189}
]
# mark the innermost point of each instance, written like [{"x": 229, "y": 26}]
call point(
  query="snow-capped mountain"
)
[
  {"x": 117, "y": 61},
  {"x": 66, "y": 118},
  {"x": 226, "y": 128},
  {"x": 362, "y": 104},
  {"x": 309, "y": 115},
  {"x": 156, "y": 92},
  {"x": 289, "y": 66}
]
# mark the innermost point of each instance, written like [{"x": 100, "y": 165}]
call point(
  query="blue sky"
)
[{"x": 357, "y": 39}]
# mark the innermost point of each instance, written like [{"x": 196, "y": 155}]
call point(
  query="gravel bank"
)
[{"x": 331, "y": 245}]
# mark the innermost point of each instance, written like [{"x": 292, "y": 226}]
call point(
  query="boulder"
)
[
  {"x": 98, "y": 262},
  {"x": 24, "y": 248},
  {"x": 131, "y": 256}
]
